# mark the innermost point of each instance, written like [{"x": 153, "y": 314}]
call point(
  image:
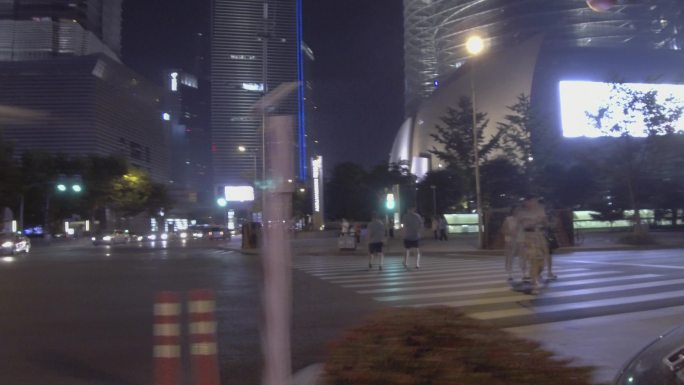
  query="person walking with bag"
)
[
  {"x": 376, "y": 239},
  {"x": 513, "y": 239},
  {"x": 533, "y": 221},
  {"x": 413, "y": 225},
  {"x": 443, "y": 226}
]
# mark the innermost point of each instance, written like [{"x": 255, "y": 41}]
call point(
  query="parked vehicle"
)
[
  {"x": 660, "y": 362},
  {"x": 111, "y": 237},
  {"x": 11, "y": 244}
]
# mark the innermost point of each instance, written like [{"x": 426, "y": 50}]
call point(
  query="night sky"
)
[{"x": 358, "y": 72}]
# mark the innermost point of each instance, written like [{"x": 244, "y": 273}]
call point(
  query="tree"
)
[
  {"x": 347, "y": 192},
  {"x": 9, "y": 175},
  {"x": 502, "y": 183},
  {"x": 527, "y": 140},
  {"x": 456, "y": 136},
  {"x": 448, "y": 191},
  {"x": 629, "y": 112},
  {"x": 158, "y": 201},
  {"x": 99, "y": 175},
  {"x": 131, "y": 192}
]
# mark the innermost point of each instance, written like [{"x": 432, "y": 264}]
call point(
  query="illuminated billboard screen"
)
[
  {"x": 239, "y": 193},
  {"x": 579, "y": 99}
]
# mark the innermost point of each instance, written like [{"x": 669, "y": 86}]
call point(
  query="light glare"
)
[{"x": 475, "y": 45}]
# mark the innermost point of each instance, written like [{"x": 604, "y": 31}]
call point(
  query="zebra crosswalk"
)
[{"x": 478, "y": 286}]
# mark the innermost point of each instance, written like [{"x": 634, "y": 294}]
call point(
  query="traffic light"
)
[{"x": 390, "y": 204}]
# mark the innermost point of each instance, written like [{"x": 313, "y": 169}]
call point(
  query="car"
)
[
  {"x": 11, "y": 244},
  {"x": 162, "y": 237},
  {"x": 659, "y": 362},
  {"x": 217, "y": 233},
  {"x": 111, "y": 237}
]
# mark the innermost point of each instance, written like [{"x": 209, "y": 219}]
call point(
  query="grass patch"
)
[{"x": 441, "y": 346}]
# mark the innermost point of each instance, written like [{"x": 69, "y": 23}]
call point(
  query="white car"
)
[
  {"x": 111, "y": 238},
  {"x": 14, "y": 243}
]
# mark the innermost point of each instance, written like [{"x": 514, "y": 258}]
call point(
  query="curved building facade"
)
[
  {"x": 531, "y": 45},
  {"x": 435, "y": 31}
]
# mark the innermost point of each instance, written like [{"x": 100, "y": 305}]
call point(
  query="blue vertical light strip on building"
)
[{"x": 303, "y": 174}]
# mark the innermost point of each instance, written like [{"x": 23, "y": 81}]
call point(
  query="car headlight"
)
[
  {"x": 139, "y": 238},
  {"x": 106, "y": 238},
  {"x": 152, "y": 237},
  {"x": 198, "y": 235},
  {"x": 7, "y": 244},
  {"x": 164, "y": 236},
  {"x": 93, "y": 239},
  {"x": 183, "y": 235}
]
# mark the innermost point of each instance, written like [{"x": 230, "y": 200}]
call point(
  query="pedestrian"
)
[
  {"x": 345, "y": 227},
  {"x": 413, "y": 225},
  {"x": 376, "y": 238},
  {"x": 512, "y": 239},
  {"x": 357, "y": 232},
  {"x": 533, "y": 221},
  {"x": 435, "y": 226},
  {"x": 552, "y": 242},
  {"x": 443, "y": 227}
]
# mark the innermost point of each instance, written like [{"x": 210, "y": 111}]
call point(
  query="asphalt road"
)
[{"x": 78, "y": 314}]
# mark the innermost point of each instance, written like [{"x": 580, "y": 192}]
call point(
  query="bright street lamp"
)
[
  {"x": 475, "y": 45},
  {"x": 222, "y": 202},
  {"x": 61, "y": 187},
  {"x": 77, "y": 188}
]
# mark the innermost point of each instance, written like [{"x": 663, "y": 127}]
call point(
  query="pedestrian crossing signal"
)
[{"x": 389, "y": 202}]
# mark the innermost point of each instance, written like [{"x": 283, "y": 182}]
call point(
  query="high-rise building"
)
[
  {"x": 42, "y": 29},
  {"x": 187, "y": 113},
  {"x": 255, "y": 47},
  {"x": 87, "y": 105},
  {"x": 59, "y": 61},
  {"x": 436, "y": 30}
]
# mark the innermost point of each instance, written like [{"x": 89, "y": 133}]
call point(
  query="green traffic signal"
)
[{"x": 390, "y": 204}]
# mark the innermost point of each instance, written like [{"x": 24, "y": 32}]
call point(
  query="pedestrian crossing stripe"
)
[
  {"x": 489, "y": 315},
  {"x": 562, "y": 294},
  {"x": 472, "y": 284},
  {"x": 354, "y": 270},
  {"x": 501, "y": 289},
  {"x": 462, "y": 283},
  {"x": 479, "y": 279}
]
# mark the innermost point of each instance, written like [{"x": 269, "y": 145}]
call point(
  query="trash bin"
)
[
  {"x": 346, "y": 241},
  {"x": 251, "y": 235},
  {"x": 659, "y": 363}
]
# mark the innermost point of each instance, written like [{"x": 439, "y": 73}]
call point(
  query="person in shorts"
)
[
  {"x": 413, "y": 226},
  {"x": 376, "y": 238}
]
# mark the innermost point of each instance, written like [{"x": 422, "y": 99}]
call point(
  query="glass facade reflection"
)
[{"x": 436, "y": 31}]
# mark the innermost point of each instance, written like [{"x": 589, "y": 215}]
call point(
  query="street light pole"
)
[{"x": 475, "y": 45}]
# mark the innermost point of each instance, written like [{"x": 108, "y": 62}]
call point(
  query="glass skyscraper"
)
[
  {"x": 436, "y": 31},
  {"x": 255, "y": 47},
  {"x": 43, "y": 29}
]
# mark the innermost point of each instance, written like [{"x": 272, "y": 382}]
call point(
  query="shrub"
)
[{"x": 441, "y": 346}]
